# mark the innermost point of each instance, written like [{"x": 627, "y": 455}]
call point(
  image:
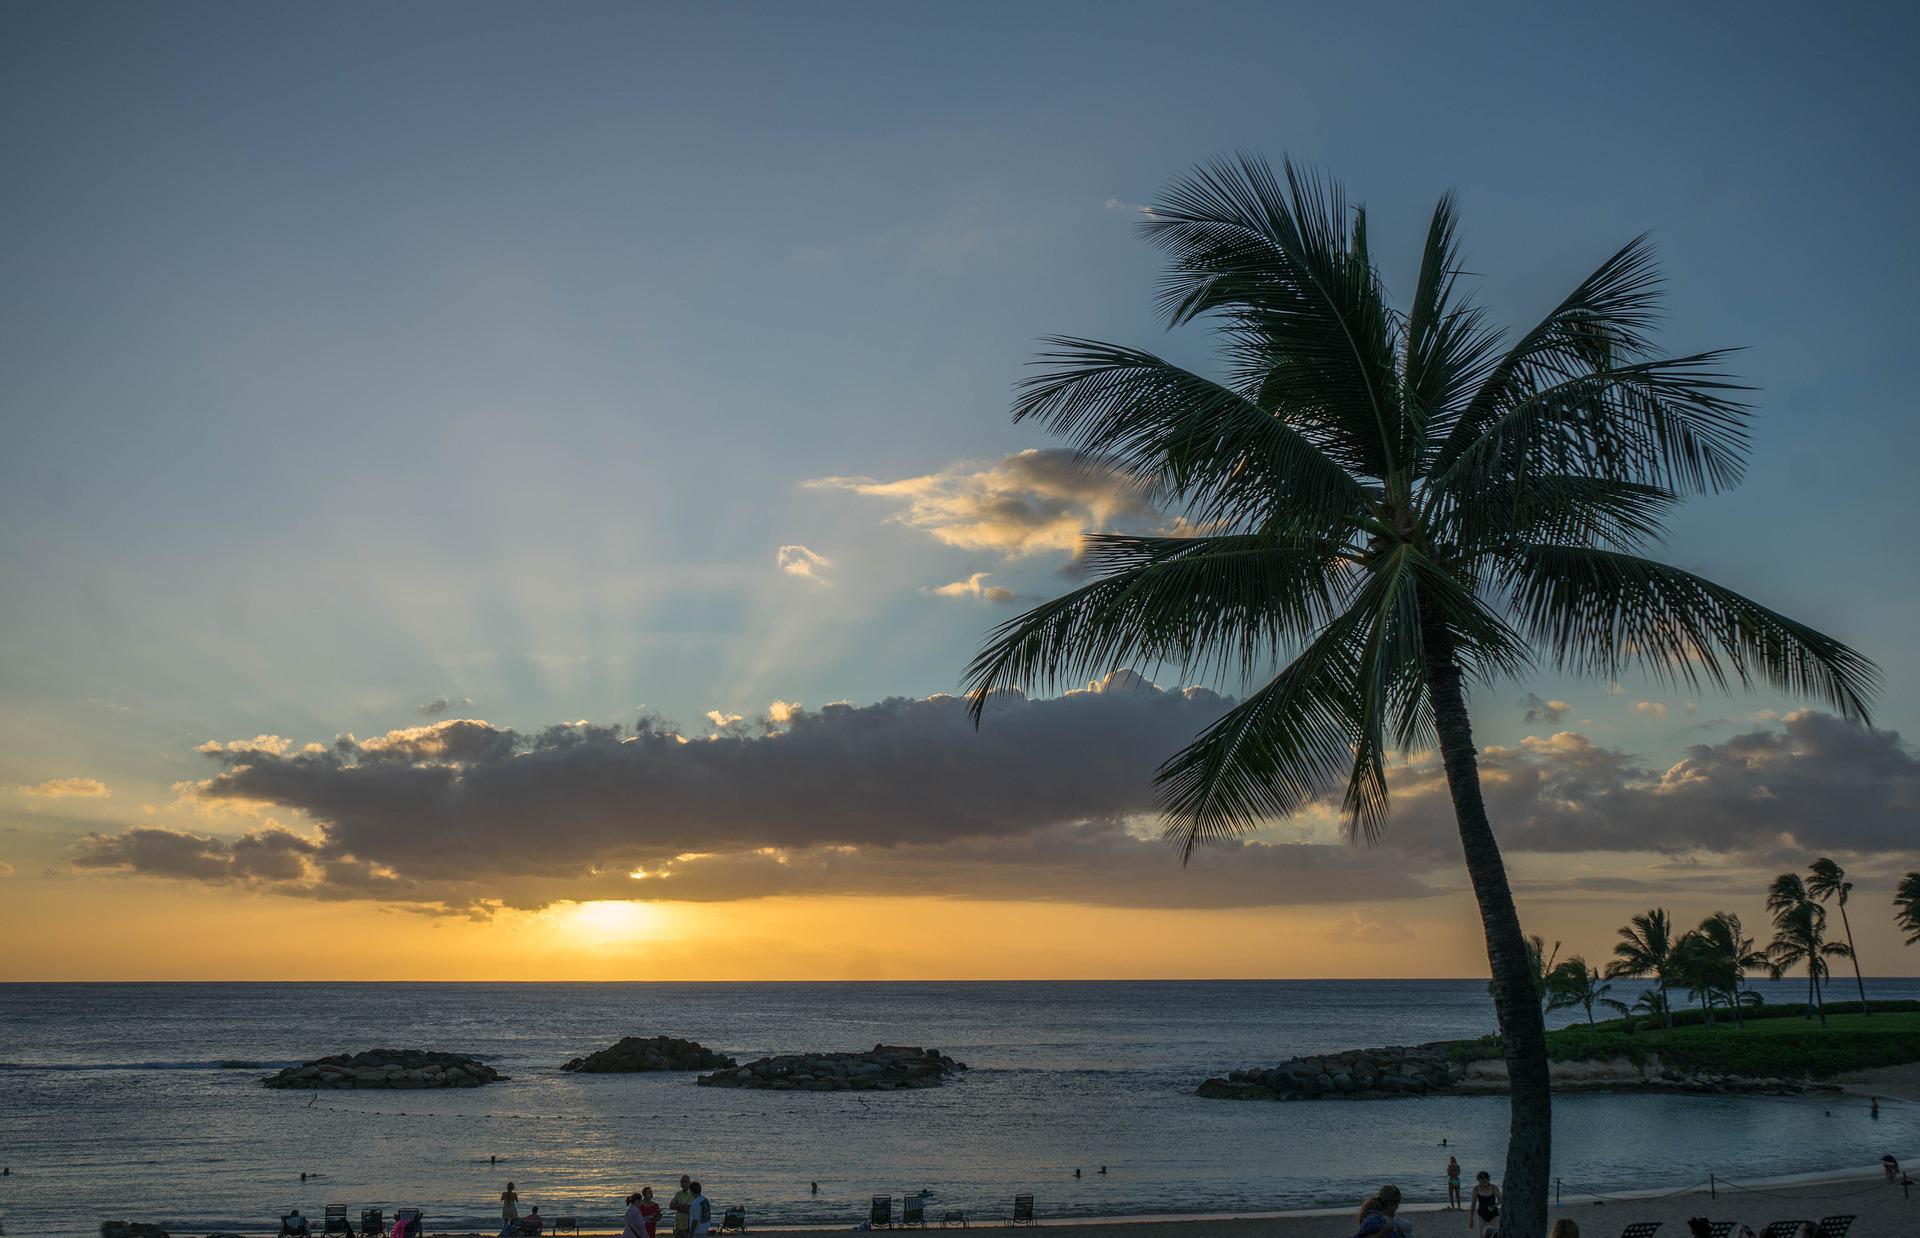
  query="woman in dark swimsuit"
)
[{"x": 1485, "y": 1208}]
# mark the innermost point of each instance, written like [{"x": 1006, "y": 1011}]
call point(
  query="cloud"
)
[
  {"x": 782, "y": 711},
  {"x": 1028, "y": 503},
  {"x": 1651, "y": 708},
  {"x": 272, "y": 854},
  {"x": 62, "y": 788},
  {"x": 1812, "y": 785},
  {"x": 721, "y": 720},
  {"x": 799, "y": 561},
  {"x": 1541, "y": 712},
  {"x": 974, "y": 586},
  {"x": 440, "y": 705}
]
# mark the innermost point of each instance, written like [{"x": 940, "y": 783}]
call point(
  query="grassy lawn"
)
[{"x": 1776, "y": 1042}]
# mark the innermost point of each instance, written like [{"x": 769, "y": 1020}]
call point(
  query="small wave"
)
[{"x": 225, "y": 1063}]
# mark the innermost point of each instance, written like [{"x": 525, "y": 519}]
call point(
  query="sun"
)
[{"x": 605, "y": 922}]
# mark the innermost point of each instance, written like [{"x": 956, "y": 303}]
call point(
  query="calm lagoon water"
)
[{"x": 113, "y": 1103}]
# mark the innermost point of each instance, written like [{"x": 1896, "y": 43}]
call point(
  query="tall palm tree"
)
[
  {"x": 1390, "y": 507},
  {"x": 1800, "y": 937},
  {"x": 1786, "y": 896},
  {"x": 1724, "y": 941},
  {"x": 1647, "y": 947},
  {"x": 1578, "y": 983},
  {"x": 1906, "y": 903},
  {"x": 1827, "y": 880}
]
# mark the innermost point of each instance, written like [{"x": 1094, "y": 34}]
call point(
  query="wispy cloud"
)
[
  {"x": 1543, "y": 712},
  {"x": 440, "y": 705},
  {"x": 797, "y": 560},
  {"x": 63, "y": 788},
  {"x": 1028, "y": 503},
  {"x": 975, "y": 586}
]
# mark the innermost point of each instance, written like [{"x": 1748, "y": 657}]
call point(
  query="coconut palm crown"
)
[{"x": 1389, "y": 506}]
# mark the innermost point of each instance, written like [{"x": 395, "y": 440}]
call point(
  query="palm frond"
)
[
  {"x": 1600, "y": 611},
  {"x": 1233, "y": 601}
]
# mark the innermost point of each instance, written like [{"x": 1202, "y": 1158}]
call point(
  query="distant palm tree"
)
[
  {"x": 1577, "y": 983},
  {"x": 1800, "y": 937},
  {"x": 1539, "y": 964},
  {"x": 1786, "y": 895},
  {"x": 1724, "y": 942},
  {"x": 1646, "y": 948},
  {"x": 1696, "y": 969},
  {"x": 1654, "y": 1004},
  {"x": 1906, "y": 902},
  {"x": 1827, "y": 880},
  {"x": 1392, "y": 507}
]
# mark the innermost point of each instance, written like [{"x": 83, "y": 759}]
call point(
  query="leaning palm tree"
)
[
  {"x": 1786, "y": 897},
  {"x": 1906, "y": 903},
  {"x": 1800, "y": 937},
  {"x": 1578, "y": 983},
  {"x": 1724, "y": 941},
  {"x": 1647, "y": 947},
  {"x": 1391, "y": 507},
  {"x": 1827, "y": 880}
]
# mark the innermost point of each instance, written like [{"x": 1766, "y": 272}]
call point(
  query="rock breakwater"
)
[
  {"x": 885, "y": 1068},
  {"x": 644, "y": 1053},
  {"x": 387, "y": 1068},
  {"x": 1357, "y": 1074}
]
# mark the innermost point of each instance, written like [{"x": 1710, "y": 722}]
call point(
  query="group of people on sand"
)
[
  {"x": 692, "y": 1212},
  {"x": 1380, "y": 1214}
]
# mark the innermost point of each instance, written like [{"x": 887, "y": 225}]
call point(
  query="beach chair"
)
[
  {"x": 566, "y": 1225},
  {"x": 411, "y": 1222},
  {"x": 1720, "y": 1229},
  {"x": 293, "y": 1225},
  {"x": 1836, "y": 1227},
  {"x": 734, "y": 1221},
  {"x": 952, "y": 1217},
  {"x": 1640, "y": 1229},
  {"x": 373, "y": 1222},
  {"x": 913, "y": 1212},
  {"x": 1022, "y": 1210},
  {"x": 880, "y": 1215},
  {"x": 1782, "y": 1229},
  {"x": 333, "y": 1220}
]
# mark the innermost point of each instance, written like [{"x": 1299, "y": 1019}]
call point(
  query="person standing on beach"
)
[
  {"x": 1486, "y": 1201},
  {"x": 509, "y": 1209},
  {"x": 1453, "y": 1184},
  {"x": 681, "y": 1203},
  {"x": 699, "y": 1212}
]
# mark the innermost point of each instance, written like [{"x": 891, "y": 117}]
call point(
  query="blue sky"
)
[{"x": 355, "y": 357}]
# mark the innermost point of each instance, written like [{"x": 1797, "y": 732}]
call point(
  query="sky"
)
[{"x": 398, "y": 400}]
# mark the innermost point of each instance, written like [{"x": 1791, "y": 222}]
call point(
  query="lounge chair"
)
[
  {"x": 1022, "y": 1210},
  {"x": 913, "y": 1212},
  {"x": 1835, "y": 1227},
  {"x": 568, "y": 1225},
  {"x": 880, "y": 1215},
  {"x": 293, "y": 1225},
  {"x": 411, "y": 1222},
  {"x": 1783, "y": 1229},
  {"x": 373, "y": 1223},
  {"x": 1640, "y": 1229},
  {"x": 1720, "y": 1229},
  {"x": 953, "y": 1217},
  {"x": 334, "y": 1221},
  {"x": 733, "y": 1221}
]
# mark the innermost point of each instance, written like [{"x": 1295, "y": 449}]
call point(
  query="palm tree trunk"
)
[
  {"x": 1813, "y": 982},
  {"x": 1847, "y": 925},
  {"x": 1522, "y": 1029}
]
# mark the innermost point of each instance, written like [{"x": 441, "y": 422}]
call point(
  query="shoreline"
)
[{"x": 1783, "y": 1196}]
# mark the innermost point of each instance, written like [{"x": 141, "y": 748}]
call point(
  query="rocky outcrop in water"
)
[
  {"x": 886, "y": 1068},
  {"x": 641, "y": 1053},
  {"x": 1357, "y": 1074},
  {"x": 387, "y": 1068}
]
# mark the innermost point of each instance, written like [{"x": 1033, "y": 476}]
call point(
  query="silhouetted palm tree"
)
[
  {"x": 1391, "y": 506},
  {"x": 1646, "y": 948},
  {"x": 1906, "y": 903},
  {"x": 1827, "y": 880},
  {"x": 1785, "y": 896},
  {"x": 1577, "y": 983},
  {"x": 1696, "y": 968},
  {"x": 1731, "y": 952},
  {"x": 1540, "y": 965},
  {"x": 1800, "y": 937}
]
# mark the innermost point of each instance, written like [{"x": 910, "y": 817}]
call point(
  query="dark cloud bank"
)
[{"x": 1047, "y": 801}]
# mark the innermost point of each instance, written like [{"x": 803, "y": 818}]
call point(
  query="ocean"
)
[{"x": 115, "y": 1103}]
